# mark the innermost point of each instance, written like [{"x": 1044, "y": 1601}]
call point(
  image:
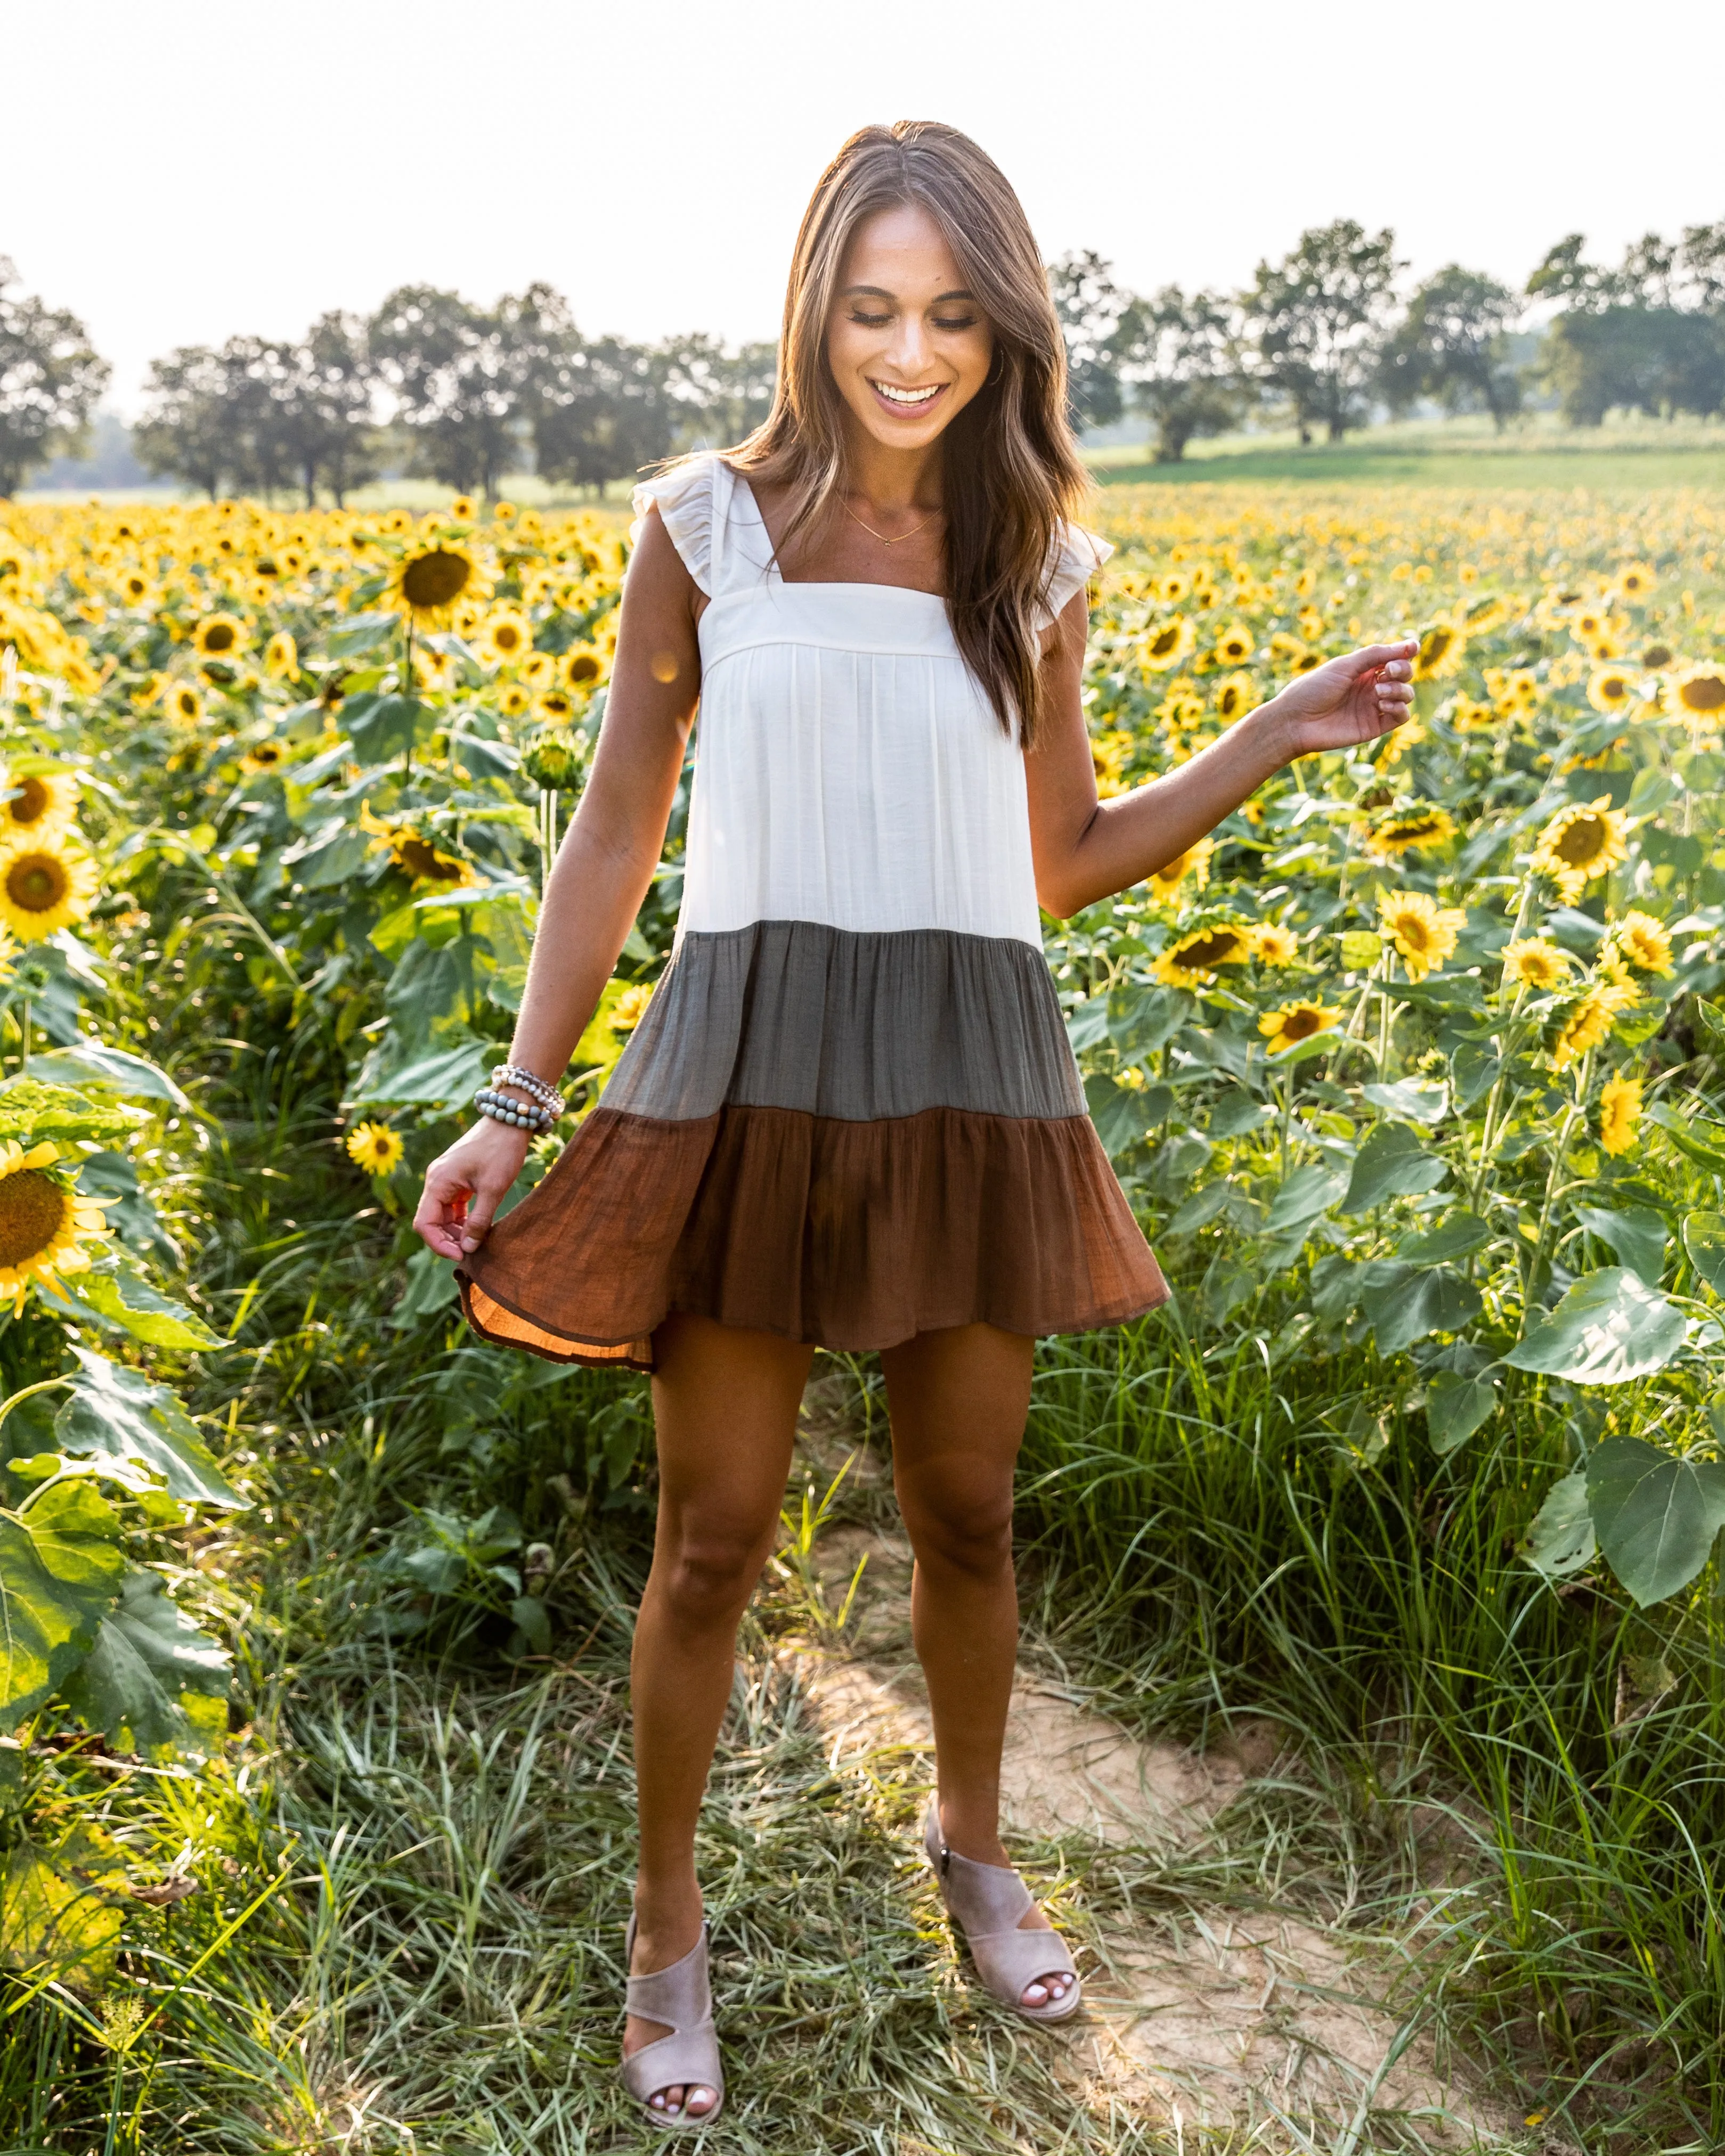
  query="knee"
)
[
  {"x": 958, "y": 1525},
  {"x": 706, "y": 1570}
]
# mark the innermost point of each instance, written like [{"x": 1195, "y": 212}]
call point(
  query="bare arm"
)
[
  {"x": 1086, "y": 848},
  {"x": 600, "y": 874}
]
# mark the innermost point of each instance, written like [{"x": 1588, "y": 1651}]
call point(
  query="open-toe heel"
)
[
  {"x": 681, "y": 1998},
  {"x": 988, "y": 1903}
]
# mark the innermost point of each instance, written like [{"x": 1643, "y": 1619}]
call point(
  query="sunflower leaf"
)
[
  {"x": 1608, "y": 1329},
  {"x": 94, "y": 1062},
  {"x": 1704, "y": 1239},
  {"x": 1655, "y": 1514},
  {"x": 152, "y": 1678},
  {"x": 30, "y": 1112},
  {"x": 124, "y": 1301},
  {"x": 118, "y": 1412},
  {"x": 1637, "y": 1236},
  {"x": 1391, "y": 1163},
  {"x": 60, "y": 1568},
  {"x": 1561, "y": 1540},
  {"x": 361, "y": 633}
]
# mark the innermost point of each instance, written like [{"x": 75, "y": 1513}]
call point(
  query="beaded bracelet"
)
[
  {"x": 522, "y": 1116},
  {"x": 525, "y": 1081}
]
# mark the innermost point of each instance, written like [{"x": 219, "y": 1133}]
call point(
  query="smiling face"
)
[{"x": 907, "y": 345}]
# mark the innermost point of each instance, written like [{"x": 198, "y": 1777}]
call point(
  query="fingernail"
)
[{"x": 470, "y": 1242}]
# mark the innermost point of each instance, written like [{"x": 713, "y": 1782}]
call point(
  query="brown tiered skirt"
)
[{"x": 761, "y": 1157}]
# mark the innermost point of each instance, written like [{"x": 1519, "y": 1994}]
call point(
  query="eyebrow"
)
[{"x": 880, "y": 292}]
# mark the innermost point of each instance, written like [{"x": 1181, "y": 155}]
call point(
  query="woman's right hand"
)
[{"x": 464, "y": 1186}]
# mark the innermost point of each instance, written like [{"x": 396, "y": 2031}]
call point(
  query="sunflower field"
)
[{"x": 1414, "y": 1071}]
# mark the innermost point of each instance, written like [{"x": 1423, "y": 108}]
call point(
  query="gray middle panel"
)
[{"x": 860, "y": 1027}]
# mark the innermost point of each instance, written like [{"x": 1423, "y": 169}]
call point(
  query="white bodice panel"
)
[{"x": 848, "y": 769}]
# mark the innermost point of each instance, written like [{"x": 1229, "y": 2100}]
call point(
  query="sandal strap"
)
[
  {"x": 988, "y": 1903},
  {"x": 1008, "y": 1961},
  {"x": 680, "y": 1996},
  {"x": 688, "y": 2058}
]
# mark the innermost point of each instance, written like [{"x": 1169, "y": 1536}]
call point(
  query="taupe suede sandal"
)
[
  {"x": 987, "y": 1901},
  {"x": 681, "y": 1998}
]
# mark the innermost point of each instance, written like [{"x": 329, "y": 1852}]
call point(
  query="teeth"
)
[{"x": 906, "y": 396}]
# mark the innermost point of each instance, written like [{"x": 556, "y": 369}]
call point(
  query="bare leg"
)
[
  {"x": 958, "y": 1399},
  {"x": 725, "y": 1407}
]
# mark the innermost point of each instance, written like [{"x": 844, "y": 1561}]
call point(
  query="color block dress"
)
[{"x": 850, "y": 1113}]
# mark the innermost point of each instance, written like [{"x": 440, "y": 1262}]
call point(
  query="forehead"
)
[{"x": 903, "y": 251}]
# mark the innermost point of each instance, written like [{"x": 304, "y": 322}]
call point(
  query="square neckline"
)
[{"x": 816, "y": 583}]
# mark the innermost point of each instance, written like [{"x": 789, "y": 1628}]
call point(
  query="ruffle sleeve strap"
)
[
  {"x": 684, "y": 499},
  {"x": 1073, "y": 559}
]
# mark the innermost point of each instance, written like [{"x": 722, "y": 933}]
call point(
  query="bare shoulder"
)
[{"x": 659, "y": 582}]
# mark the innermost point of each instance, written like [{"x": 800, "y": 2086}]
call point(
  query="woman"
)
[{"x": 850, "y": 1118}]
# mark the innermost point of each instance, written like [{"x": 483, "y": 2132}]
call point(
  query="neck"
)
[{"x": 892, "y": 479}]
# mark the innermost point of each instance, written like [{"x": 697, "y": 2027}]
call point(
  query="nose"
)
[{"x": 910, "y": 351}]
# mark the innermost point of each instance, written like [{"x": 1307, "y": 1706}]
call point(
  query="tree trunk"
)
[{"x": 309, "y": 478}]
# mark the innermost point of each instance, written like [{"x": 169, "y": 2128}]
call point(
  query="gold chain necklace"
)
[{"x": 881, "y": 535}]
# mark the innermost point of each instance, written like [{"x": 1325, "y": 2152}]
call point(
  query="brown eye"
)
[{"x": 870, "y": 322}]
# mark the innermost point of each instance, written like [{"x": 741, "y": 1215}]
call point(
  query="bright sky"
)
[{"x": 176, "y": 171}]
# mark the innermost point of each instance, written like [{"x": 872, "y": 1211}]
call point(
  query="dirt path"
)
[{"x": 1200, "y": 2014}]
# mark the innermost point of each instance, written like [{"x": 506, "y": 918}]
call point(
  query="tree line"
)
[
  {"x": 1326, "y": 334},
  {"x": 435, "y": 384}
]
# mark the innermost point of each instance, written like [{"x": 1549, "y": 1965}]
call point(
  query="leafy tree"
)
[
  {"x": 322, "y": 408},
  {"x": 1179, "y": 366},
  {"x": 1649, "y": 337},
  {"x": 717, "y": 396},
  {"x": 49, "y": 382},
  {"x": 601, "y": 412},
  {"x": 1453, "y": 344},
  {"x": 460, "y": 377},
  {"x": 1316, "y": 320},
  {"x": 186, "y": 431},
  {"x": 1091, "y": 306}
]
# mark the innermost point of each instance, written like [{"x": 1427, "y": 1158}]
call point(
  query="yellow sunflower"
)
[
  {"x": 555, "y": 707},
  {"x": 1635, "y": 580},
  {"x": 1193, "y": 958},
  {"x": 1234, "y": 698},
  {"x": 281, "y": 657},
  {"x": 463, "y": 509},
  {"x": 1534, "y": 961},
  {"x": 630, "y": 1008},
  {"x": 1643, "y": 942},
  {"x": 1584, "y": 840},
  {"x": 1166, "y": 644},
  {"x": 1588, "y": 1021},
  {"x": 1442, "y": 643},
  {"x": 1234, "y": 645},
  {"x": 1273, "y": 945},
  {"x": 584, "y": 668},
  {"x": 375, "y": 1147},
  {"x": 44, "y": 1223},
  {"x": 47, "y": 883},
  {"x": 1620, "y": 1111},
  {"x": 40, "y": 803},
  {"x": 1194, "y": 862},
  {"x": 220, "y": 636},
  {"x": 1409, "y": 828},
  {"x": 515, "y": 700},
  {"x": 412, "y": 852},
  {"x": 1424, "y": 932},
  {"x": 428, "y": 582},
  {"x": 1699, "y": 692},
  {"x": 1469, "y": 717},
  {"x": 262, "y": 755},
  {"x": 135, "y": 588},
  {"x": 1295, "y": 1022},
  {"x": 506, "y": 638},
  {"x": 1611, "y": 689},
  {"x": 538, "y": 669},
  {"x": 184, "y": 703}
]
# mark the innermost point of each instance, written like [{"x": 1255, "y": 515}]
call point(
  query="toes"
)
[{"x": 699, "y": 2101}]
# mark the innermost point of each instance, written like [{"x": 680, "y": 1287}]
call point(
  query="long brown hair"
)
[{"x": 1011, "y": 474}]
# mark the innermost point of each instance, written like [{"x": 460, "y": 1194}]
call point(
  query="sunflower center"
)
[
  {"x": 1581, "y": 842},
  {"x": 1214, "y": 950},
  {"x": 1299, "y": 1025},
  {"x": 1705, "y": 693},
  {"x": 1164, "y": 641},
  {"x": 29, "y": 803},
  {"x": 435, "y": 579},
  {"x": 1411, "y": 929},
  {"x": 586, "y": 668},
  {"x": 421, "y": 859},
  {"x": 37, "y": 883},
  {"x": 32, "y": 1209}
]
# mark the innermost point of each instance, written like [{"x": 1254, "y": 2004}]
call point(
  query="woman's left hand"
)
[{"x": 1347, "y": 700}]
